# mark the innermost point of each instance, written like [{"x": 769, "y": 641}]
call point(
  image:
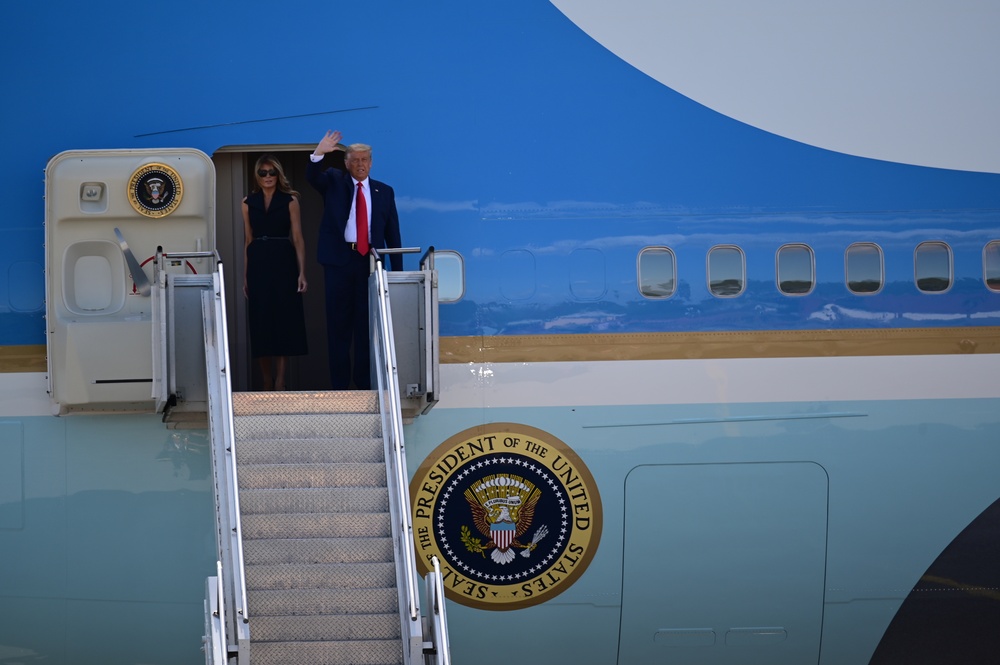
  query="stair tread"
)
[
  {"x": 333, "y": 401},
  {"x": 318, "y": 576},
  {"x": 332, "y": 601},
  {"x": 345, "y": 524},
  {"x": 314, "y": 500},
  {"x": 339, "y": 627},
  {"x": 259, "y": 551},
  {"x": 310, "y": 451},
  {"x": 355, "y": 652},
  {"x": 312, "y": 475},
  {"x": 256, "y": 427}
]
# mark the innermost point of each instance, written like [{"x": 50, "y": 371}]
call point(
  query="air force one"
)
[{"x": 693, "y": 358}]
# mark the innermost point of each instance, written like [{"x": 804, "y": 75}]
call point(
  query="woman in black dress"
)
[{"x": 275, "y": 276}]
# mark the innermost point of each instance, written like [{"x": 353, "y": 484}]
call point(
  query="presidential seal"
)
[
  {"x": 512, "y": 513},
  {"x": 155, "y": 190}
]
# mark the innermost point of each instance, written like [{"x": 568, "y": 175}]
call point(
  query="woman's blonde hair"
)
[{"x": 283, "y": 184}]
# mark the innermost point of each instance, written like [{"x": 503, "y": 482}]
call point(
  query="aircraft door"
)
[
  {"x": 724, "y": 564},
  {"x": 106, "y": 213}
]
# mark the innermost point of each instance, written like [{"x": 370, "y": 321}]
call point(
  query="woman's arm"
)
[{"x": 298, "y": 242}]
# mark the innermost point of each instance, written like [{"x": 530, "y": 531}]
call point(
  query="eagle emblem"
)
[
  {"x": 154, "y": 191},
  {"x": 503, "y": 507}
]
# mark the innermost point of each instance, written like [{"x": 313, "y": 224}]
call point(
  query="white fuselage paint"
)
[
  {"x": 909, "y": 82},
  {"x": 719, "y": 381}
]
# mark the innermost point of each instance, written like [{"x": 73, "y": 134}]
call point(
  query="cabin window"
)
[
  {"x": 451, "y": 275},
  {"x": 657, "y": 272},
  {"x": 727, "y": 271},
  {"x": 795, "y": 269},
  {"x": 864, "y": 268},
  {"x": 991, "y": 265},
  {"x": 932, "y": 267}
]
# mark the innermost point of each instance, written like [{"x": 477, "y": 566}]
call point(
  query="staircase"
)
[{"x": 317, "y": 542}]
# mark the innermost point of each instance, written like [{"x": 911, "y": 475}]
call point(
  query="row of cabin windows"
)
[{"x": 795, "y": 268}]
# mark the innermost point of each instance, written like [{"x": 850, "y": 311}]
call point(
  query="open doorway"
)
[{"x": 234, "y": 181}]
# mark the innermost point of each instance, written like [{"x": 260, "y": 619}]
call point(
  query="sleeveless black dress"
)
[{"x": 277, "y": 317}]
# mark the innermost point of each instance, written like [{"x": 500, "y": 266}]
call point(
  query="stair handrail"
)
[
  {"x": 426, "y": 643},
  {"x": 220, "y": 404},
  {"x": 390, "y": 391}
]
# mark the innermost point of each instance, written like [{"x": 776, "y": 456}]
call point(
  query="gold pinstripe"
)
[{"x": 668, "y": 345}]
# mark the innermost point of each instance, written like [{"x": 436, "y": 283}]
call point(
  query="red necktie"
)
[{"x": 361, "y": 218}]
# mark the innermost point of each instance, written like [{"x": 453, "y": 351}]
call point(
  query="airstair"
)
[
  {"x": 315, "y": 548},
  {"x": 316, "y": 558}
]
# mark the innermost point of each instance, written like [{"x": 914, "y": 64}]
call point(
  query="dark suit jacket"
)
[{"x": 337, "y": 189}]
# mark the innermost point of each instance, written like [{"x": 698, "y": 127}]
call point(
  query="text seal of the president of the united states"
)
[{"x": 512, "y": 513}]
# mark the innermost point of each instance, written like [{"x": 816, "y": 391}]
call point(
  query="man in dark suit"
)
[{"x": 358, "y": 213}]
